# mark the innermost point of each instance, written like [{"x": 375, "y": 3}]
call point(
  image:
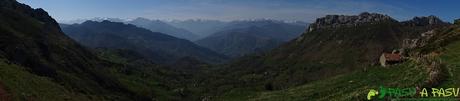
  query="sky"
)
[{"x": 227, "y": 10}]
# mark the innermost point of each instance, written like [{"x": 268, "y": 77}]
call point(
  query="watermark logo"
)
[
  {"x": 440, "y": 92},
  {"x": 413, "y": 92},
  {"x": 371, "y": 94}
]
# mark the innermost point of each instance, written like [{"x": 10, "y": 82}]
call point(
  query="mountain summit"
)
[{"x": 424, "y": 21}]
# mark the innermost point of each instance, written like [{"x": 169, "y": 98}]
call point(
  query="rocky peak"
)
[
  {"x": 38, "y": 13},
  {"x": 333, "y": 21},
  {"x": 43, "y": 16},
  {"x": 423, "y": 21}
]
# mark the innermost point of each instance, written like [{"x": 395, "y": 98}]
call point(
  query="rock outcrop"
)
[
  {"x": 424, "y": 21},
  {"x": 334, "y": 21}
]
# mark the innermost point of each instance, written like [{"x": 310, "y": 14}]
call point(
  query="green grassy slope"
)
[
  {"x": 353, "y": 86},
  {"x": 21, "y": 85},
  {"x": 451, "y": 56},
  {"x": 143, "y": 77}
]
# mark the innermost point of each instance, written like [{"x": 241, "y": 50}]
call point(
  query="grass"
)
[
  {"x": 451, "y": 56},
  {"x": 24, "y": 85},
  {"x": 353, "y": 86},
  {"x": 349, "y": 86},
  {"x": 142, "y": 78},
  {"x": 239, "y": 94},
  {"x": 146, "y": 86}
]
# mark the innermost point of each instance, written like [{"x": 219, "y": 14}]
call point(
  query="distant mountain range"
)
[
  {"x": 203, "y": 28},
  {"x": 152, "y": 25},
  {"x": 157, "y": 46},
  {"x": 240, "y": 38},
  {"x": 192, "y": 29},
  {"x": 234, "y": 38},
  {"x": 162, "y": 27}
]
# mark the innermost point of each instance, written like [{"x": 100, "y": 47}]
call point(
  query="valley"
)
[{"x": 335, "y": 57}]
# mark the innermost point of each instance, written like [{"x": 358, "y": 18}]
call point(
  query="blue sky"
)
[{"x": 302, "y": 10}]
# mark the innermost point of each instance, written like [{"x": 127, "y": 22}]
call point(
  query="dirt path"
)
[{"x": 4, "y": 96}]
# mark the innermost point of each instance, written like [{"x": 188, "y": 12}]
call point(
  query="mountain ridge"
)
[
  {"x": 157, "y": 46},
  {"x": 241, "y": 38},
  {"x": 163, "y": 27}
]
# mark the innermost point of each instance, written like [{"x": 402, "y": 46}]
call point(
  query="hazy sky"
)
[{"x": 303, "y": 10}]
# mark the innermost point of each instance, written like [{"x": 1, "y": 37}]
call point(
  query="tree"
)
[{"x": 457, "y": 22}]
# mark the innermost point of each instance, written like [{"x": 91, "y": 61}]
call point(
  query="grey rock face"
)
[
  {"x": 423, "y": 21},
  {"x": 334, "y": 21}
]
